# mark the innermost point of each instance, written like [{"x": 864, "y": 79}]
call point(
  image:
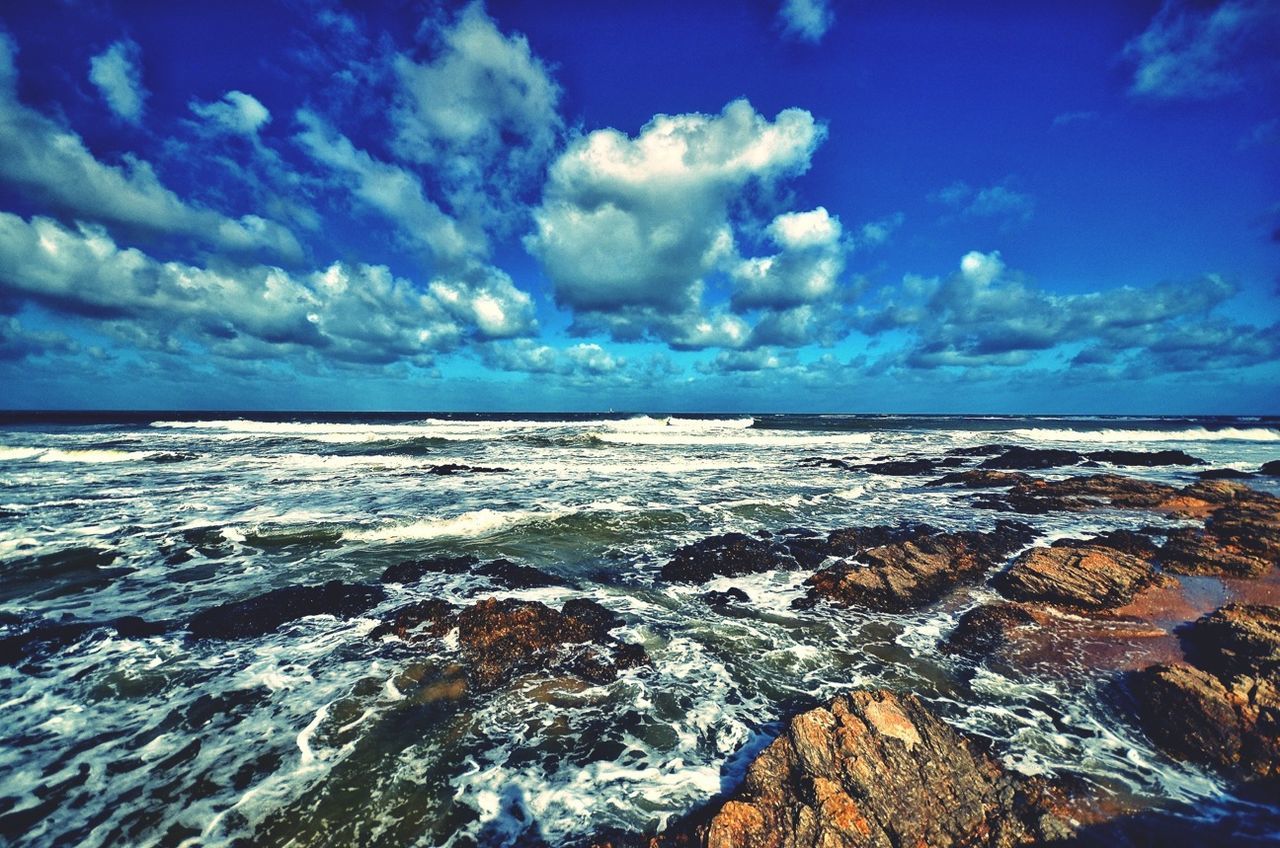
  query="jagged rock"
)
[
  {"x": 1027, "y": 458},
  {"x": 871, "y": 768},
  {"x": 851, "y": 541},
  {"x": 826, "y": 462},
  {"x": 500, "y": 640},
  {"x": 1147, "y": 459},
  {"x": 907, "y": 574},
  {"x": 263, "y": 614},
  {"x": 979, "y": 450},
  {"x": 1133, "y": 542},
  {"x": 1241, "y": 538},
  {"x": 809, "y": 547},
  {"x": 982, "y": 478},
  {"x": 726, "y": 555},
  {"x": 515, "y": 575},
  {"x": 411, "y": 571},
  {"x": 1224, "y": 709},
  {"x": 727, "y": 598},
  {"x": 449, "y": 468},
  {"x": 902, "y": 467},
  {"x": 987, "y": 628},
  {"x": 1090, "y": 577}
]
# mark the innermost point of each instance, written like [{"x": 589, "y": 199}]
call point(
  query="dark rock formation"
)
[
  {"x": 982, "y": 479},
  {"x": 1271, "y": 469},
  {"x": 987, "y": 628},
  {"x": 1133, "y": 542},
  {"x": 874, "y": 769},
  {"x": 449, "y": 468},
  {"x": 1088, "y": 577},
  {"x": 903, "y": 575},
  {"x": 515, "y": 575},
  {"x": 826, "y": 462},
  {"x": 1026, "y": 458},
  {"x": 500, "y": 640},
  {"x": 42, "y": 638},
  {"x": 851, "y": 541},
  {"x": 1148, "y": 459},
  {"x": 727, "y": 598},
  {"x": 1223, "y": 474},
  {"x": 902, "y": 467},
  {"x": 726, "y": 555},
  {"x": 979, "y": 450},
  {"x": 1241, "y": 538},
  {"x": 1224, "y": 708},
  {"x": 413, "y": 570},
  {"x": 256, "y": 616}
]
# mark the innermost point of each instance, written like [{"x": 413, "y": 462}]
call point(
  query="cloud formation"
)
[
  {"x": 1192, "y": 52},
  {"x": 236, "y": 113},
  {"x": 806, "y": 20},
  {"x": 996, "y": 202},
  {"x": 117, "y": 75}
]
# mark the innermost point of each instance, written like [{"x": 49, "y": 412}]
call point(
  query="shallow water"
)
[{"x": 318, "y": 735}]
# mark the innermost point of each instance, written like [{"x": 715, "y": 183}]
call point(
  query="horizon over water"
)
[{"x": 313, "y": 733}]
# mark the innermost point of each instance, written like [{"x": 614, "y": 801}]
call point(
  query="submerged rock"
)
[
  {"x": 500, "y": 640},
  {"x": 42, "y": 638},
  {"x": 1027, "y": 458},
  {"x": 988, "y": 628},
  {"x": 906, "y": 574},
  {"x": 413, "y": 570},
  {"x": 1223, "y": 474},
  {"x": 730, "y": 597},
  {"x": 264, "y": 613},
  {"x": 1146, "y": 459},
  {"x": 872, "y": 768},
  {"x": 1088, "y": 576},
  {"x": 726, "y": 555},
  {"x": 1223, "y": 709},
  {"x": 1133, "y": 542},
  {"x": 452, "y": 468},
  {"x": 515, "y": 575}
]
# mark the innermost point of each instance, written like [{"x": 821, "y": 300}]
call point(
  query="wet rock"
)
[
  {"x": 727, "y": 598},
  {"x": 1148, "y": 459},
  {"x": 985, "y": 629},
  {"x": 982, "y": 479},
  {"x": 1223, "y": 474},
  {"x": 264, "y": 613},
  {"x": 871, "y": 768},
  {"x": 411, "y": 571},
  {"x": 1028, "y": 458},
  {"x": 40, "y": 639},
  {"x": 1271, "y": 469},
  {"x": 449, "y": 468},
  {"x": 809, "y": 547},
  {"x": 515, "y": 575},
  {"x": 979, "y": 450},
  {"x": 851, "y": 541},
  {"x": 59, "y": 573},
  {"x": 726, "y": 555},
  {"x": 902, "y": 467},
  {"x": 1089, "y": 577},
  {"x": 500, "y": 640},
  {"x": 1224, "y": 708},
  {"x": 904, "y": 575},
  {"x": 826, "y": 462},
  {"x": 1089, "y": 492},
  {"x": 1138, "y": 543},
  {"x": 1240, "y": 538}
]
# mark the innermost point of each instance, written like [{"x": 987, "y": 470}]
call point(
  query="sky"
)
[{"x": 809, "y": 206}]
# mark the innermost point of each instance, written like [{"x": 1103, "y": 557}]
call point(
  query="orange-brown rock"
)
[
  {"x": 500, "y": 640},
  {"x": 1090, "y": 577},
  {"x": 872, "y": 768},
  {"x": 1240, "y": 539},
  {"x": 988, "y": 628}
]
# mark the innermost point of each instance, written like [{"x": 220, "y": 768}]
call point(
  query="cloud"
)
[
  {"x": 987, "y": 315},
  {"x": 523, "y": 355},
  {"x": 806, "y": 20},
  {"x": 805, "y": 270},
  {"x": 18, "y": 343},
  {"x": 745, "y": 361},
  {"x": 52, "y": 164},
  {"x": 876, "y": 233},
  {"x": 351, "y": 313},
  {"x": 1197, "y": 53},
  {"x": 236, "y": 113},
  {"x": 116, "y": 73},
  {"x": 481, "y": 114},
  {"x": 998, "y": 202},
  {"x": 1067, "y": 119},
  {"x": 629, "y": 228}
]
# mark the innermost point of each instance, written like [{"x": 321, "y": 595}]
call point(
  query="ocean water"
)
[{"x": 318, "y": 735}]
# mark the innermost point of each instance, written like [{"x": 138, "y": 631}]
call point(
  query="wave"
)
[
  {"x": 1194, "y": 434},
  {"x": 468, "y": 525},
  {"x": 88, "y": 455}
]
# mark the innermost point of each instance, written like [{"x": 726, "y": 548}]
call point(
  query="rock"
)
[
  {"x": 727, "y": 598},
  {"x": 411, "y": 571},
  {"x": 500, "y": 640},
  {"x": 726, "y": 555},
  {"x": 851, "y": 541},
  {"x": 1223, "y": 474},
  {"x": 987, "y": 628},
  {"x": 981, "y": 479},
  {"x": 1146, "y": 459},
  {"x": 1084, "y": 493},
  {"x": 871, "y": 768},
  {"x": 809, "y": 547},
  {"x": 907, "y": 574},
  {"x": 1241, "y": 538},
  {"x": 901, "y": 467},
  {"x": 1224, "y": 708},
  {"x": 1271, "y": 469},
  {"x": 451, "y": 468},
  {"x": 979, "y": 450},
  {"x": 826, "y": 462},
  {"x": 263, "y": 614},
  {"x": 1026, "y": 458},
  {"x": 43, "y": 638},
  {"x": 1088, "y": 577},
  {"x": 59, "y": 573},
  {"x": 514, "y": 575},
  {"x": 1133, "y": 542}
]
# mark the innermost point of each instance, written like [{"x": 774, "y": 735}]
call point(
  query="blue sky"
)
[{"x": 808, "y": 206}]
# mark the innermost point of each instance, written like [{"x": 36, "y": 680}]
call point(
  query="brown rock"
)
[
  {"x": 871, "y": 768},
  {"x": 907, "y": 574},
  {"x": 1238, "y": 639},
  {"x": 982, "y": 478},
  {"x": 500, "y": 640},
  {"x": 727, "y": 555},
  {"x": 1240, "y": 539},
  {"x": 1089, "y": 577},
  {"x": 988, "y": 628}
]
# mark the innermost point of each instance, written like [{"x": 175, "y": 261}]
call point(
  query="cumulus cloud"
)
[
  {"x": 1195, "y": 52},
  {"x": 236, "y": 113},
  {"x": 806, "y": 20},
  {"x": 876, "y": 233},
  {"x": 352, "y": 313},
  {"x": 998, "y": 202},
  {"x": 117, "y": 75},
  {"x": 524, "y": 355},
  {"x": 805, "y": 270},
  {"x": 52, "y": 164},
  {"x": 987, "y": 315},
  {"x": 17, "y": 343},
  {"x": 481, "y": 113},
  {"x": 629, "y": 228}
]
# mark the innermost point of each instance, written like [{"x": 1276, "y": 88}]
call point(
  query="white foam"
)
[
  {"x": 480, "y": 522},
  {"x": 1193, "y": 434},
  {"x": 14, "y": 454}
]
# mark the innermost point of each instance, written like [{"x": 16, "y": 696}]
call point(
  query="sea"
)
[{"x": 314, "y": 735}]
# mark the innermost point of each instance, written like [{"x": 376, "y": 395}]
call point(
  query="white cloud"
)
[
  {"x": 581, "y": 360},
  {"x": 998, "y": 202},
  {"x": 806, "y": 20},
  {"x": 355, "y": 313},
  {"x": 981, "y": 268},
  {"x": 629, "y": 227},
  {"x": 1187, "y": 52},
  {"x": 116, "y": 73},
  {"x": 876, "y": 233},
  {"x": 806, "y": 269},
  {"x": 52, "y": 164},
  {"x": 237, "y": 113}
]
